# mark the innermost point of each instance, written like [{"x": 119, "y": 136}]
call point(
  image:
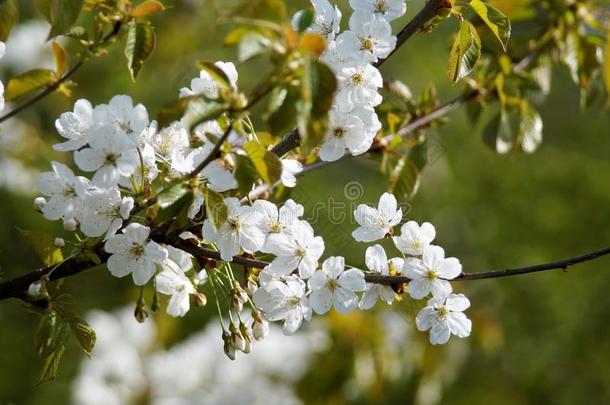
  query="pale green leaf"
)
[
  {"x": 404, "y": 179},
  {"x": 530, "y": 128},
  {"x": 267, "y": 163},
  {"x": 9, "y": 14},
  {"x": 139, "y": 45},
  {"x": 465, "y": 51},
  {"x": 497, "y": 22},
  {"x": 215, "y": 207},
  {"x": 28, "y": 82},
  {"x": 44, "y": 246}
]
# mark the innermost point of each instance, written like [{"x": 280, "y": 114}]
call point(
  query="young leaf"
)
[
  {"x": 271, "y": 10},
  {"x": 147, "y": 7},
  {"x": 497, "y": 22},
  {"x": 61, "y": 14},
  {"x": 530, "y": 128},
  {"x": 60, "y": 58},
  {"x": 304, "y": 19},
  {"x": 9, "y": 14},
  {"x": 498, "y": 134},
  {"x": 216, "y": 73},
  {"x": 82, "y": 330},
  {"x": 281, "y": 110},
  {"x": 171, "y": 195},
  {"x": 404, "y": 179},
  {"x": 465, "y": 51},
  {"x": 251, "y": 44},
  {"x": 267, "y": 163},
  {"x": 139, "y": 45},
  {"x": 53, "y": 349},
  {"x": 215, "y": 208},
  {"x": 28, "y": 82},
  {"x": 245, "y": 174},
  {"x": 44, "y": 246},
  {"x": 201, "y": 109}
]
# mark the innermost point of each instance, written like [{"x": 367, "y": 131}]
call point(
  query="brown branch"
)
[
  {"x": 17, "y": 287},
  {"x": 293, "y": 139}
]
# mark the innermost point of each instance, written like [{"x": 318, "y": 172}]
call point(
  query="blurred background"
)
[{"x": 540, "y": 338}]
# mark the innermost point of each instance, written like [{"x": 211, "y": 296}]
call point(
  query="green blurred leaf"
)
[
  {"x": 139, "y": 45},
  {"x": 252, "y": 44},
  {"x": 55, "y": 334},
  {"x": 217, "y": 74},
  {"x": 171, "y": 195},
  {"x": 570, "y": 54},
  {"x": 270, "y": 10},
  {"x": 607, "y": 63},
  {"x": 215, "y": 208},
  {"x": 318, "y": 86},
  {"x": 172, "y": 111},
  {"x": 61, "y": 14},
  {"x": 281, "y": 112},
  {"x": 201, "y": 109},
  {"x": 305, "y": 20},
  {"x": 498, "y": 134},
  {"x": 44, "y": 246},
  {"x": 9, "y": 14},
  {"x": 245, "y": 174},
  {"x": 465, "y": 51},
  {"x": 28, "y": 82},
  {"x": 171, "y": 211},
  {"x": 530, "y": 128},
  {"x": 404, "y": 179},
  {"x": 82, "y": 330},
  {"x": 497, "y": 22},
  {"x": 267, "y": 163}
]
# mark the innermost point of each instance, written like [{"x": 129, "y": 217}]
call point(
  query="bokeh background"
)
[{"x": 540, "y": 338}]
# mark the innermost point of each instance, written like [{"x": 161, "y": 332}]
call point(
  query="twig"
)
[{"x": 212, "y": 156}]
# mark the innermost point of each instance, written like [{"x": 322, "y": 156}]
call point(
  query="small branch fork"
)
[{"x": 17, "y": 287}]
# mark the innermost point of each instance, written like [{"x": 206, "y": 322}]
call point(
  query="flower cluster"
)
[{"x": 353, "y": 122}]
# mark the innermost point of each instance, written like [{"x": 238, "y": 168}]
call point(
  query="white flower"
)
[
  {"x": 103, "y": 211},
  {"x": 111, "y": 156},
  {"x": 74, "y": 126},
  {"x": 240, "y": 231},
  {"x": 132, "y": 253},
  {"x": 172, "y": 138},
  {"x": 414, "y": 238},
  {"x": 333, "y": 285},
  {"x": 63, "y": 191},
  {"x": 146, "y": 163},
  {"x": 299, "y": 249},
  {"x": 443, "y": 317},
  {"x": 276, "y": 220},
  {"x": 377, "y": 262},
  {"x": 123, "y": 116},
  {"x": 290, "y": 168},
  {"x": 369, "y": 38},
  {"x": 430, "y": 273},
  {"x": 344, "y": 131},
  {"x": 207, "y": 86},
  {"x": 326, "y": 19},
  {"x": 285, "y": 301},
  {"x": 376, "y": 223},
  {"x": 172, "y": 281},
  {"x": 389, "y": 9},
  {"x": 358, "y": 85}
]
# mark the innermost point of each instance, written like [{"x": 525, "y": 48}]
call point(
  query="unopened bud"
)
[
  {"x": 400, "y": 90},
  {"x": 251, "y": 287},
  {"x": 140, "y": 312},
  {"x": 39, "y": 202},
  {"x": 59, "y": 242},
  {"x": 237, "y": 340},
  {"x": 70, "y": 224},
  {"x": 36, "y": 289},
  {"x": 236, "y": 304},
  {"x": 155, "y": 302},
  {"x": 260, "y": 328},
  {"x": 200, "y": 299},
  {"x": 228, "y": 347}
]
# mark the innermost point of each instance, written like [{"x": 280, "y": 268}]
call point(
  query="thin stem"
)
[{"x": 212, "y": 156}]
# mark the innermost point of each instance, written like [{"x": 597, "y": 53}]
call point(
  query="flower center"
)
[
  {"x": 416, "y": 244},
  {"x": 124, "y": 125},
  {"x": 136, "y": 250},
  {"x": 367, "y": 43},
  {"x": 380, "y": 6},
  {"x": 431, "y": 275},
  {"x": 276, "y": 227},
  {"x": 442, "y": 312},
  {"x": 111, "y": 158},
  {"x": 332, "y": 284},
  {"x": 338, "y": 132},
  {"x": 357, "y": 78},
  {"x": 233, "y": 224}
]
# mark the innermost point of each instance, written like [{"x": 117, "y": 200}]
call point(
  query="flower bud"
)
[
  {"x": 155, "y": 302},
  {"x": 227, "y": 347},
  {"x": 140, "y": 312},
  {"x": 39, "y": 202},
  {"x": 35, "y": 289},
  {"x": 236, "y": 304},
  {"x": 245, "y": 332},
  {"x": 251, "y": 287},
  {"x": 59, "y": 242},
  {"x": 70, "y": 224},
  {"x": 260, "y": 328},
  {"x": 200, "y": 299},
  {"x": 237, "y": 340}
]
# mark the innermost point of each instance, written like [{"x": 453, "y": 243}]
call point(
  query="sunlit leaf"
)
[
  {"x": 465, "y": 51},
  {"x": 215, "y": 208},
  {"x": 267, "y": 163},
  {"x": 147, "y": 7},
  {"x": 61, "y": 14},
  {"x": 404, "y": 179},
  {"x": 497, "y": 22},
  {"x": 60, "y": 58},
  {"x": 171, "y": 195},
  {"x": 44, "y": 246},
  {"x": 28, "y": 82},
  {"x": 216, "y": 73},
  {"x": 139, "y": 45},
  {"x": 498, "y": 134},
  {"x": 201, "y": 109},
  {"x": 245, "y": 174},
  {"x": 530, "y": 128},
  {"x": 9, "y": 14}
]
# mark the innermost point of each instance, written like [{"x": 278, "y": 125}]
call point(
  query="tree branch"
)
[
  {"x": 17, "y": 287},
  {"x": 293, "y": 139}
]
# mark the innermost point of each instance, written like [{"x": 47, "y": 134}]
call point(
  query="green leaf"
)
[
  {"x": 305, "y": 20},
  {"x": 9, "y": 14},
  {"x": 245, "y": 174},
  {"x": 498, "y": 134},
  {"x": 171, "y": 195},
  {"x": 465, "y": 51},
  {"x": 570, "y": 54},
  {"x": 404, "y": 179},
  {"x": 173, "y": 111},
  {"x": 267, "y": 163},
  {"x": 317, "y": 89},
  {"x": 216, "y": 73},
  {"x": 56, "y": 333},
  {"x": 61, "y": 14},
  {"x": 44, "y": 246},
  {"x": 171, "y": 211},
  {"x": 28, "y": 82},
  {"x": 139, "y": 45},
  {"x": 281, "y": 110},
  {"x": 497, "y": 22},
  {"x": 530, "y": 128},
  {"x": 82, "y": 330},
  {"x": 215, "y": 208},
  {"x": 201, "y": 109},
  {"x": 270, "y": 10}
]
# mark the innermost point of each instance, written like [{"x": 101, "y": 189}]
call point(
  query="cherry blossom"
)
[
  {"x": 103, "y": 211},
  {"x": 368, "y": 39},
  {"x": 389, "y": 9},
  {"x": 74, "y": 126},
  {"x": 375, "y": 223},
  {"x": 333, "y": 285},
  {"x": 63, "y": 190},
  {"x": 444, "y": 317},
  {"x": 414, "y": 238},
  {"x": 377, "y": 261},
  {"x": 430, "y": 273}
]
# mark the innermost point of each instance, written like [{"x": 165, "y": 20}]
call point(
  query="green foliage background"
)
[{"x": 542, "y": 338}]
